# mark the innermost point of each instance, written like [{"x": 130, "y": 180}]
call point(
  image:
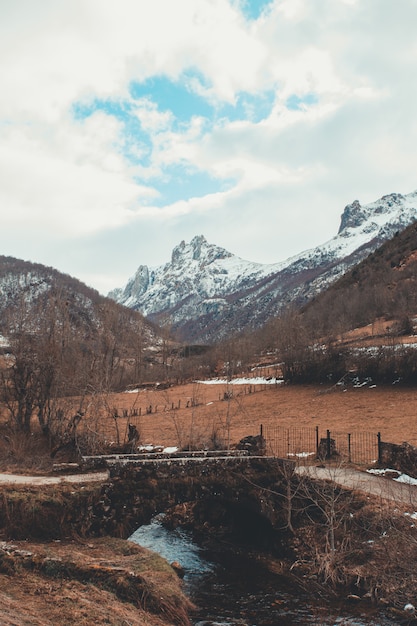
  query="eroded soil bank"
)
[{"x": 99, "y": 581}]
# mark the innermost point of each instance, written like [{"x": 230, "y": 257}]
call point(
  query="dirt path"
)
[
  {"x": 20, "y": 479},
  {"x": 384, "y": 488}
]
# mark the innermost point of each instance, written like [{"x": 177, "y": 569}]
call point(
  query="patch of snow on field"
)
[
  {"x": 258, "y": 380},
  {"x": 149, "y": 447},
  {"x": 301, "y": 455},
  {"x": 268, "y": 367}
]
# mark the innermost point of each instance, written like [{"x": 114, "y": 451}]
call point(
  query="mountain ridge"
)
[{"x": 206, "y": 293}]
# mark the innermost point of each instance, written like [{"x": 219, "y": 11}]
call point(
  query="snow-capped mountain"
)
[{"x": 206, "y": 293}]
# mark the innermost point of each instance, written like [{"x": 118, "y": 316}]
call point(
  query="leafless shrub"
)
[{"x": 23, "y": 450}]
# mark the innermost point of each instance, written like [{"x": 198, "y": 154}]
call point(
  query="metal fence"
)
[
  {"x": 357, "y": 447},
  {"x": 309, "y": 444},
  {"x": 296, "y": 443}
]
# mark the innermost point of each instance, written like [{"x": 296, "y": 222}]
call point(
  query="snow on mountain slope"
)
[
  {"x": 206, "y": 293},
  {"x": 361, "y": 225},
  {"x": 197, "y": 270}
]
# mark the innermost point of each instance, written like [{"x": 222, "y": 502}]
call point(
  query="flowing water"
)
[
  {"x": 232, "y": 589},
  {"x": 174, "y": 545}
]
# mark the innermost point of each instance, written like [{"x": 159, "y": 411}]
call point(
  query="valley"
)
[
  {"x": 321, "y": 346},
  {"x": 197, "y": 415},
  {"x": 208, "y": 313}
]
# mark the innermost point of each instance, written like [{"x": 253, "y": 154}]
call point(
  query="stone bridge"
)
[{"x": 244, "y": 493}]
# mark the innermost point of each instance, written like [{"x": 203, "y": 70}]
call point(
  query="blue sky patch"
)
[
  {"x": 175, "y": 96},
  {"x": 182, "y": 183},
  {"x": 295, "y": 103},
  {"x": 252, "y": 9},
  {"x": 133, "y": 137},
  {"x": 180, "y": 98}
]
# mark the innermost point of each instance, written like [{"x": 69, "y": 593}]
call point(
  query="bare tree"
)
[{"x": 329, "y": 507}]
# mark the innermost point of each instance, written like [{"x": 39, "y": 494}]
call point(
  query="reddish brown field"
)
[{"x": 389, "y": 410}]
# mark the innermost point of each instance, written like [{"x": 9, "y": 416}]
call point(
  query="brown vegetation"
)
[
  {"x": 389, "y": 410},
  {"x": 102, "y": 581},
  {"x": 91, "y": 581},
  {"x": 381, "y": 286},
  {"x": 367, "y": 547}
]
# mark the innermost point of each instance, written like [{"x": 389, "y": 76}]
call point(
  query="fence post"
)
[
  {"x": 349, "y": 448},
  {"x": 328, "y": 446},
  {"x": 261, "y": 432},
  {"x": 317, "y": 441},
  {"x": 379, "y": 448}
]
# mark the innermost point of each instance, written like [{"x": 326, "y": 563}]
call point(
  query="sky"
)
[{"x": 127, "y": 126}]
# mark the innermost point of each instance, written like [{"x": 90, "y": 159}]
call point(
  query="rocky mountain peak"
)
[
  {"x": 197, "y": 250},
  {"x": 197, "y": 244},
  {"x": 352, "y": 216},
  {"x": 355, "y": 215},
  {"x": 140, "y": 281},
  {"x": 393, "y": 199}
]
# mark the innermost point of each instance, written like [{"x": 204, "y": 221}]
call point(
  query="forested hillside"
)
[
  {"x": 60, "y": 338},
  {"x": 384, "y": 285},
  {"x": 327, "y": 340}
]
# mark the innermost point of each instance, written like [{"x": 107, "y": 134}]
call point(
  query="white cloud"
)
[
  {"x": 71, "y": 180},
  {"x": 151, "y": 119},
  {"x": 62, "y": 177}
]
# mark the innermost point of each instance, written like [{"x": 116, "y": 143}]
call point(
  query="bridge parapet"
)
[
  {"x": 117, "y": 467},
  {"x": 106, "y": 460}
]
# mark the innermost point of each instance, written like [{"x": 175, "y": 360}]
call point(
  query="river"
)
[{"x": 232, "y": 588}]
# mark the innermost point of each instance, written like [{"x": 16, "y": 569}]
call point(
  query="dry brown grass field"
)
[{"x": 199, "y": 412}]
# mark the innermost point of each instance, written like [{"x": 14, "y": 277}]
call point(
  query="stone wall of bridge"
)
[{"x": 136, "y": 492}]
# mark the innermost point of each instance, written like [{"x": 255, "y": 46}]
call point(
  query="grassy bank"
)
[{"x": 102, "y": 581}]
